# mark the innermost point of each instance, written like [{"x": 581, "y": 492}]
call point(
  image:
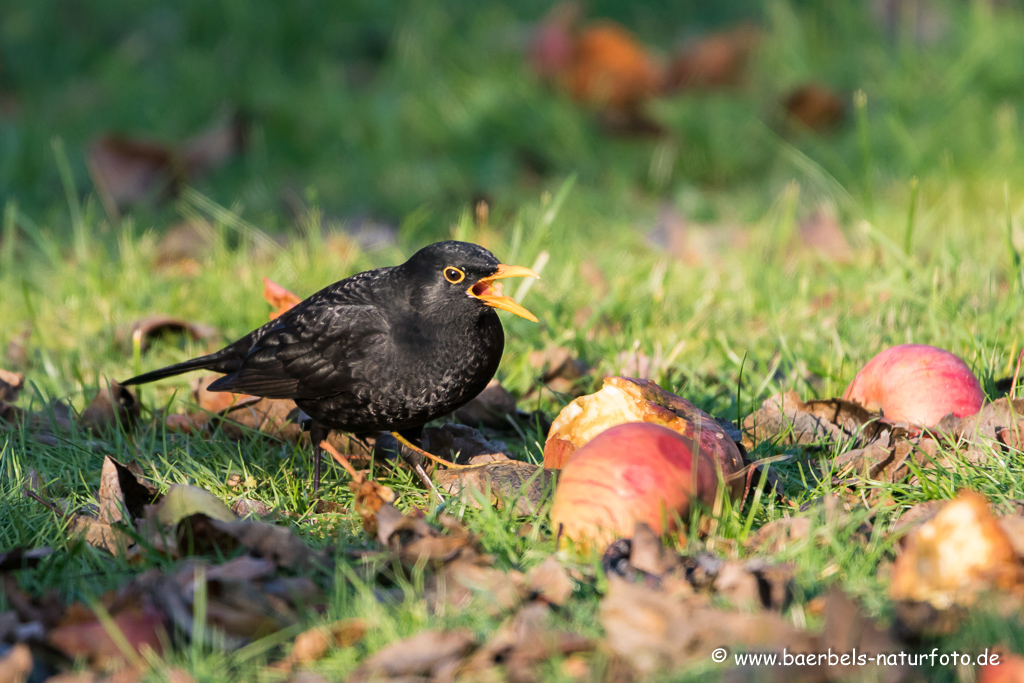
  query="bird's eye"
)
[{"x": 454, "y": 275}]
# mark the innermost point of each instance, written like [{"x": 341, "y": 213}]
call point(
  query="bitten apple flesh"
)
[
  {"x": 635, "y": 472},
  {"x": 917, "y": 383}
]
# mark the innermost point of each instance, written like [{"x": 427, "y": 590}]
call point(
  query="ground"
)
[{"x": 371, "y": 131}]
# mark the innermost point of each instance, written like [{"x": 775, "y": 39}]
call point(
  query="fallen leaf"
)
[
  {"x": 122, "y": 491},
  {"x": 148, "y": 329},
  {"x": 313, "y": 644},
  {"x": 815, "y": 107},
  {"x": 789, "y": 420},
  {"x": 184, "y": 246},
  {"x": 16, "y": 664},
  {"x": 713, "y": 61},
  {"x": 491, "y": 408},
  {"x": 280, "y": 299},
  {"x": 101, "y": 535},
  {"x": 130, "y": 171},
  {"x": 560, "y": 371},
  {"x": 141, "y": 629},
  {"x": 11, "y": 384},
  {"x": 114, "y": 407},
  {"x": 183, "y": 501},
  {"x": 460, "y": 443},
  {"x": 779, "y": 534},
  {"x": 655, "y": 630},
  {"x": 522, "y": 643},
  {"x": 822, "y": 234},
  {"x": 955, "y": 555},
  {"x": 523, "y": 485},
  {"x": 550, "y": 582},
  {"x": 423, "y": 654}
]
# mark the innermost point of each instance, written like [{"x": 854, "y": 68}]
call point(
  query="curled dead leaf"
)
[
  {"x": 148, "y": 329},
  {"x": 424, "y": 654},
  {"x": 491, "y": 408},
  {"x": 11, "y": 384},
  {"x": 279, "y": 298},
  {"x": 522, "y": 485},
  {"x": 716, "y": 60},
  {"x": 113, "y": 407},
  {"x": 814, "y": 106}
]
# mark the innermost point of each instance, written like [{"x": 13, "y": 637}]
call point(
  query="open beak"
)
[{"x": 489, "y": 291}]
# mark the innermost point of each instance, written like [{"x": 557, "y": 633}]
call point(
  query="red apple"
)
[
  {"x": 635, "y": 472},
  {"x": 918, "y": 384}
]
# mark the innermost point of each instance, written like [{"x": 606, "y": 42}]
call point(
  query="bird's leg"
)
[
  {"x": 416, "y": 449},
  {"x": 318, "y": 434},
  {"x": 340, "y": 459}
]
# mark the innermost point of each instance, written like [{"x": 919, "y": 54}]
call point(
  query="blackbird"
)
[{"x": 386, "y": 350}]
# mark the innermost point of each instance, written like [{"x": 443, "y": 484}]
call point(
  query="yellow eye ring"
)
[{"x": 454, "y": 275}]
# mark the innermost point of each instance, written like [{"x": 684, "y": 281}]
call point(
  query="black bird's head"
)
[{"x": 462, "y": 276}]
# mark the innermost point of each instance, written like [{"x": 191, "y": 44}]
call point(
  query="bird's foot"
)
[{"x": 430, "y": 456}]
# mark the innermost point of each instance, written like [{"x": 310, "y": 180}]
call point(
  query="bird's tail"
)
[{"x": 213, "y": 361}]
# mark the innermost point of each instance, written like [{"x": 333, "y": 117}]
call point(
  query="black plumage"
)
[{"x": 385, "y": 350}]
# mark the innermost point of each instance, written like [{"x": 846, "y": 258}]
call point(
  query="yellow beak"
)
[{"x": 490, "y": 292}]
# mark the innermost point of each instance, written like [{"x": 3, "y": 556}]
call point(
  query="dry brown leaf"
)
[
  {"x": 821, "y": 233},
  {"x": 423, "y": 654},
  {"x": 560, "y": 371},
  {"x": 794, "y": 422},
  {"x": 491, "y": 408},
  {"x": 713, "y": 61},
  {"x": 656, "y": 630},
  {"x": 142, "y": 629},
  {"x": 550, "y": 582},
  {"x": 415, "y": 542},
  {"x": 523, "y": 485},
  {"x": 521, "y": 643},
  {"x": 954, "y": 556},
  {"x": 184, "y": 246},
  {"x": 815, "y": 107},
  {"x": 778, "y": 534},
  {"x": 130, "y": 171},
  {"x": 114, "y": 407},
  {"x": 279, "y": 298},
  {"x": 16, "y": 664},
  {"x": 609, "y": 68},
  {"x": 101, "y": 535},
  {"x": 148, "y": 329},
  {"x": 11, "y": 384},
  {"x": 313, "y": 644},
  {"x": 459, "y": 443},
  {"x": 122, "y": 491}
]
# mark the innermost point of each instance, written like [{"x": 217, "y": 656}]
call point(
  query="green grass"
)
[{"x": 407, "y": 115}]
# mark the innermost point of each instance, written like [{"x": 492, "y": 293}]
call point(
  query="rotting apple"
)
[
  {"x": 917, "y": 383},
  {"x": 624, "y": 399},
  {"x": 634, "y": 472}
]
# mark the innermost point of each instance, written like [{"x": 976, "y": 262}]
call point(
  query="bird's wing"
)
[{"x": 309, "y": 352}]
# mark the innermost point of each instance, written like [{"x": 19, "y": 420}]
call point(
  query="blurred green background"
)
[{"x": 382, "y": 110}]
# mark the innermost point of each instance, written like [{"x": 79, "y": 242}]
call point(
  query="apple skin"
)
[
  {"x": 635, "y": 472},
  {"x": 917, "y": 383}
]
